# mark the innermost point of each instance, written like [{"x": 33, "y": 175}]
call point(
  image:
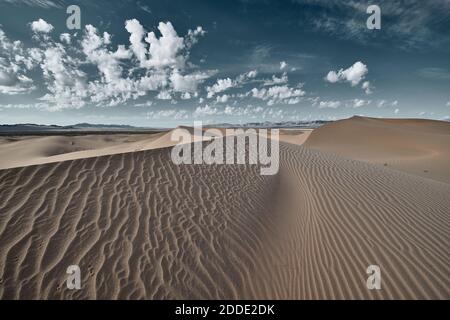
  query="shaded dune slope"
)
[{"x": 141, "y": 227}]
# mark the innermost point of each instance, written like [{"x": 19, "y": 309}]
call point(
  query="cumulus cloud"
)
[
  {"x": 108, "y": 62},
  {"x": 277, "y": 80},
  {"x": 15, "y": 62},
  {"x": 278, "y": 94},
  {"x": 283, "y": 65},
  {"x": 65, "y": 37},
  {"x": 41, "y": 26},
  {"x": 193, "y": 36},
  {"x": 222, "y": 85},
  {"x": 222, "y": 99},
  {"x": 245, "y": 77},
  {"x": 367, "y": 87},
  {"x": 167, "y": 50},
  {"x": 187, "y": 83},
  {"x": 137, "y": 32},
  {"x": 161, "y": 66},
  {"x": 353, "y": 75},
  {"x": 64, "y": 81},
  {"x": 164, "y": 51},
  {"x": 164, "y": 95},
  {"x": 448, "y": 104}
]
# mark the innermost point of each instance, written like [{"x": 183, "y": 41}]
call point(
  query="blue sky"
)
[{"x": 222, "y": 61}]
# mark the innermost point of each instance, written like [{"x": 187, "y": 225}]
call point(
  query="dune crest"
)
[{"x": 25, "y": 151}]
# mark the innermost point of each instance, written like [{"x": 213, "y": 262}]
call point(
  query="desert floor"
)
[{"x": 350, "y": 194}]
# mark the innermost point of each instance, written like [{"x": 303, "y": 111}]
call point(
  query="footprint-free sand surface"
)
[
  {"x": 420, "y": 147},
  {"x": 141, "y": 227}
]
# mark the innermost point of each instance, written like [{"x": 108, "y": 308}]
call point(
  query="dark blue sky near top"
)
[{"x": 407, "y": 61}]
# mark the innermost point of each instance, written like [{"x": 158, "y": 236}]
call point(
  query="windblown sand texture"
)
[{"x": 141, "y": 227}]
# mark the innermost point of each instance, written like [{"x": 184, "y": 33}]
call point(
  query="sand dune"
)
[
  {"x": 31, "y": 150},
  {"x": 25, "y": 151},
  {"x": 141, "y": 227},
  {"x": 294, "y": 136},
  {"x": 420, "y": 147}
]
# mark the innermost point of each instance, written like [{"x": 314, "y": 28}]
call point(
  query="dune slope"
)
[
  {"x": 141, "y": 227},
  {"x": 416, "y": 146}
]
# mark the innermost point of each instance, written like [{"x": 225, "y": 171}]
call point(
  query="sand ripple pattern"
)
[{"x": 141, "y": 227}]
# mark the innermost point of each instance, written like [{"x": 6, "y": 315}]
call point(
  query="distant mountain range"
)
[
  {"x": 31, "y": 128},
  {"x": 270, "y": 124},
  {"x": 27, "y": 128}
]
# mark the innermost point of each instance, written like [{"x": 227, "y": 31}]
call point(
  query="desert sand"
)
[
  {"x": 420, "y": 147},
  {"x": 141, "y": 227}
]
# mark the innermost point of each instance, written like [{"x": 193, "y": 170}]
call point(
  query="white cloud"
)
[
  {"x": 384, "y": 103},
  {"x": 245, "y": 77},
  {"x": 15, "y": 62},
  {"x": 164, "y": 95},
  {"x": 283, "y": 65},
  {"x": 396, "y": 111},
  {"x": 193, "y": 35},
  {"x": 329, "y": 104},
  {"x": 137, "y": 32},
  {"x": 448, "y": 104},
  {"x": 65, "y": 37},
  {"x": 41, "y": 26},
  {"x": 354, "y": 74},
  {"x": 17, "y": 84},
  {"x": 168, "y": 113},
  {"x": 332, "y": 77},
  {"x": 358, "y": 103},
  {"x": 161, "y": 66},
  {"x": 381, "y": 103},
  {"x": 367, "y": 87},
  {"x": 276, "y": 80},
  {"x": 187, "y": 83},
  {"x": 64, "y": 81},
  {"x": 96, "y": 51},
  {"x": 229, "y": 110},
  {"x": 220, "y": 86},
  {"x": 278, "y": 94},
  {"x": 222, "y": 99},
  {"x": 144, "y": 7},
  {"x": 187, "y": 95},
  {"x": 251, "y": 74},
  {"x": 162, "y": 52},
  {"x": 228, "y": 83},
  {"x": 206, "y": 110},
  {"x": 144, "y": 104}
]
